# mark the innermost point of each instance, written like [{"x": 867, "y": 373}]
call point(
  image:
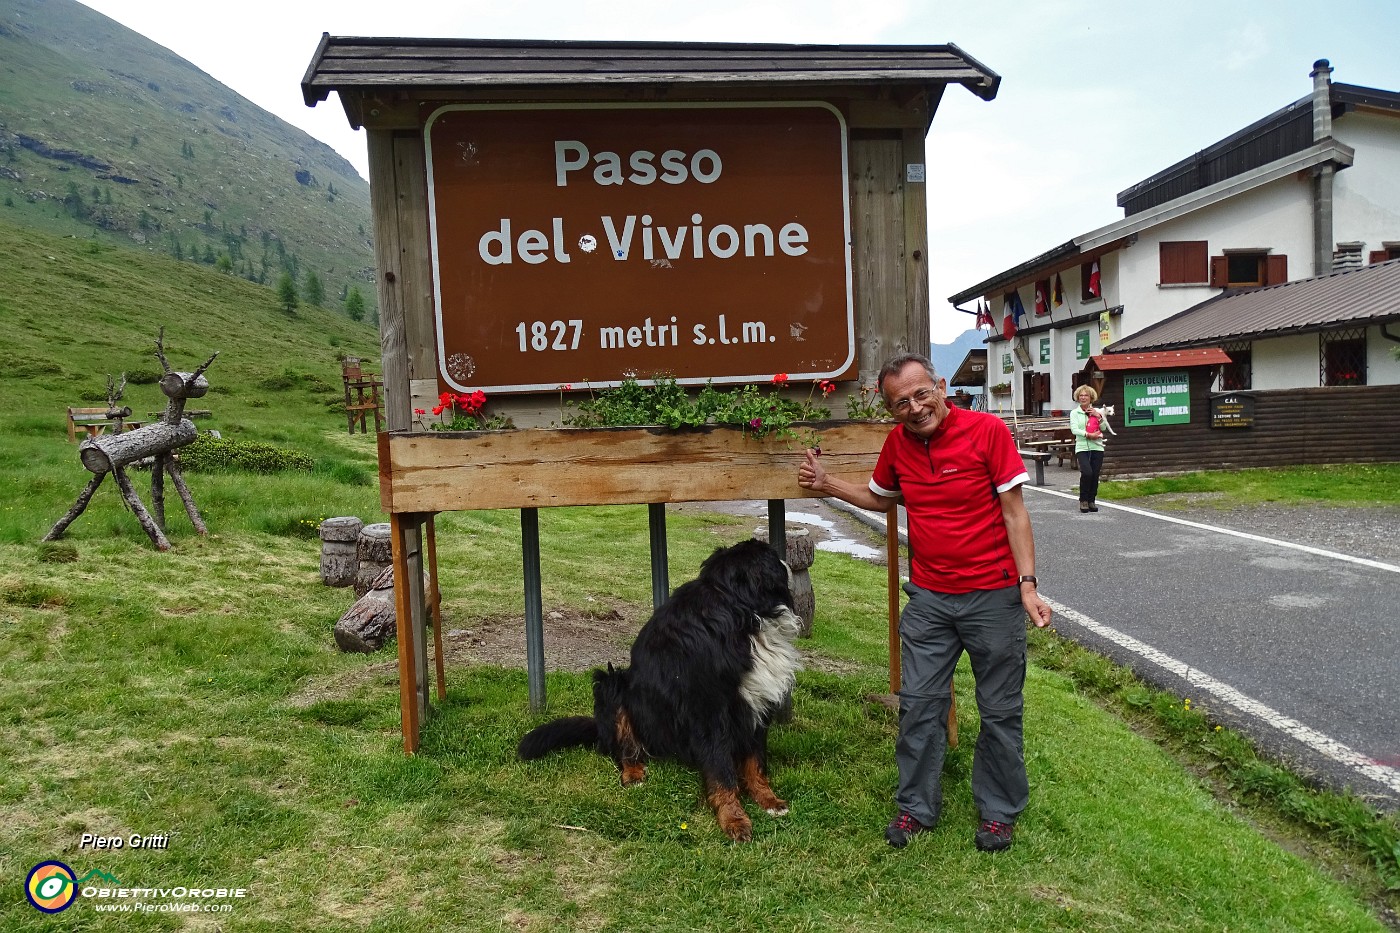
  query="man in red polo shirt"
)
[{"x": 972, "y": 585}]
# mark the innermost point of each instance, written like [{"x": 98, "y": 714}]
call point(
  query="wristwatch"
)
[{"x": 1028, "y": 579}]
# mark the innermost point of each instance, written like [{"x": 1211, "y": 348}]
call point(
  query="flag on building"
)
[
  {"x": 1059, "y": 293},
  {"x": 1042, "y": 297},
  {"x": 1019, "y": 310},
  {"x": 984, "y": 316},
  {"x": 1095, "y": 285}
]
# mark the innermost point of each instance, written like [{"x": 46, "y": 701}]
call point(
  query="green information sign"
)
[
  {"x": 1044, "y": 350},
  {"x": 1157, "y": 398},
  {"x": 1081, "y": 345}
]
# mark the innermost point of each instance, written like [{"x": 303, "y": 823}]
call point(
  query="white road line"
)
[
  {"x": 1363, "y": 561},
  {"x": 1322, "y": 744}
]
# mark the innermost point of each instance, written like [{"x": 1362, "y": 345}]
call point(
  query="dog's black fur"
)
[{"x": 708, "y": 672}]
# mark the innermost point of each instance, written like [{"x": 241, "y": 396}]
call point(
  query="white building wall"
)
[
  {"x": 1382, "y": 367},
  {"x": 1295, "y": 361},
  {"x": 1290, "y": 362},
  {"x": 1276, "y": 217},
  {"x": 1366, "y": 197}
]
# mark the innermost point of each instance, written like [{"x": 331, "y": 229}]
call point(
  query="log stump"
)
[
  {"x": 340, "y": 561},
  {"x": 801, "y": 552},
  {"x": 109, "y": 452},
  {"x": 372, "y": 621},
  {"x": 375, "y": 550}
]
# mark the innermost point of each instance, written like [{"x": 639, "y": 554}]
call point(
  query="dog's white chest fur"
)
[{"x": 775, "y": 662}]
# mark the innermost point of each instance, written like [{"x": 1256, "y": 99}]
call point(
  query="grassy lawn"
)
[
  {"x": 1343, "y": 484},
  {"x": 198, "y": 693}
]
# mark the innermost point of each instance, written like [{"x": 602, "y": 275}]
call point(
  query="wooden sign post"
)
[{"x": 554, "y": 216}]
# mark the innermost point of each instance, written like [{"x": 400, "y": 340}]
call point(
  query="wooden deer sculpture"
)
[{"x": 112, "y": 453}]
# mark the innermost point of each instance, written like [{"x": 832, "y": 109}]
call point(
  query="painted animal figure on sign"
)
[{"x": 708, "y": 672}]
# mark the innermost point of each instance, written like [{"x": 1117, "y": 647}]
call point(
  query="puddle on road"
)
[{"x": 837, "y": 543}]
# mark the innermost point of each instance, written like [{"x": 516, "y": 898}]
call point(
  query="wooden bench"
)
[
  {"x": 1041, "y": 457},
  {"x": 94, "y": 422},
  {"x": 1057, "y": 441}
]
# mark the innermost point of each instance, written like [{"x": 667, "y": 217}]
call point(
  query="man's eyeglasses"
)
[{"x": 924, "y": 397}]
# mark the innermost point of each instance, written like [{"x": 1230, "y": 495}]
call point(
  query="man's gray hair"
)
[{"x": 899, "y": 362}]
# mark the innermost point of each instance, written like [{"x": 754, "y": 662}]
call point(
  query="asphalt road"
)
[{"x": 1297, "y": 648}]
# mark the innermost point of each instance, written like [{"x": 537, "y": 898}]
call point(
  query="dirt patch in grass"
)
[{"x": 573, "y": 641}]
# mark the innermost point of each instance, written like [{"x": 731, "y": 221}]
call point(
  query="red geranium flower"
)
[{"x": 781, "y": 379}]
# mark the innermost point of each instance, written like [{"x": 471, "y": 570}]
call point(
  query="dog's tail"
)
[{"x": 559, "y": 733}]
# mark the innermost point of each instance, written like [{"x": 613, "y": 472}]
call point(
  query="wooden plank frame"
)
[
  {"x": 422, "y": 474},
  {"x": 543, "y": 468}
]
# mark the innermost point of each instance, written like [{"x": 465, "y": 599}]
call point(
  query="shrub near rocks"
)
[{"x": 210, "y": 454}]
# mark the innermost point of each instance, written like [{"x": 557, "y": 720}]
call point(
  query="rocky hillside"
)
[{"x": 106, "y": 134}]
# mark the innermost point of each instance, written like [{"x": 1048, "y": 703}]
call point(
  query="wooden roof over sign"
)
[{"x": 365, "y": 64}]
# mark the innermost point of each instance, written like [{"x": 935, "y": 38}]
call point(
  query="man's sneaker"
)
[
  {"x": 901, "y": 829},
  {"x": 993, "y": 836}
]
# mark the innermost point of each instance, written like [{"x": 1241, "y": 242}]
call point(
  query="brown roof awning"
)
[
  {"x": 972, "y": 371},
  {"x": 1164, "y": 359}
]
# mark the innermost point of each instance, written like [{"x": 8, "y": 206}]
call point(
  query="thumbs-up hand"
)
[{"x": 811, "y": 474}]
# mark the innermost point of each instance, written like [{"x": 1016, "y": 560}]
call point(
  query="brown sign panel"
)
[{"x": 579, "y": 244}]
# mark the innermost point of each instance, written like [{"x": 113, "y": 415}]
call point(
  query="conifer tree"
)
[
  {"x": 355, "y": 304},
  {"x": 313, "y": 290},
  {"x": 287, "y": 293}
]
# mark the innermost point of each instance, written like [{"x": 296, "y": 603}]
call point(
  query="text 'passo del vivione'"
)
[{"x": 629, "y": 235}]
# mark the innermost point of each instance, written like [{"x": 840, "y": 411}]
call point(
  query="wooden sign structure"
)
[{"x": 550, "y": 215}]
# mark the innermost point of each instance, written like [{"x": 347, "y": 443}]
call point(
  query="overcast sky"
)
[{"x": 1095, "y": 96}]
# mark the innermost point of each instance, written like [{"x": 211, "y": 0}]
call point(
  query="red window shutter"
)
[
  {"x": 1276, "y": 270},
  {"x": 1183, "y": 262},
  {"x": 1219, "y": 272},
  {"x": 1170, "y": 259},
  {"x": 1195, "y": 261},
  {"x": 1378, "y": 255}
]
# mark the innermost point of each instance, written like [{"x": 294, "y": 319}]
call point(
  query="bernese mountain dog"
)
[{"x": 708, "y": 672}]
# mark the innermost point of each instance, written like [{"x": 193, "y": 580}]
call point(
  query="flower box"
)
[{"x": 442, "y": 471}]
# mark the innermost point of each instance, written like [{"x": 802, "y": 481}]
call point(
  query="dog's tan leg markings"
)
[
  {"x": 755, "y": 782},
  {"x": 733, "y": 821},
  {"x": 631, "y": 757}
]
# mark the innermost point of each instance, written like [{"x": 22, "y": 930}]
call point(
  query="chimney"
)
[
  {"x": 1322, "y": 99},
  {"x": 1322, "y": 174}
]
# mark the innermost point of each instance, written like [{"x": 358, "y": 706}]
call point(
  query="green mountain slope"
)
[
  {"x": 73, "y": 311},
  {"x": 104, "y": 134}
]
